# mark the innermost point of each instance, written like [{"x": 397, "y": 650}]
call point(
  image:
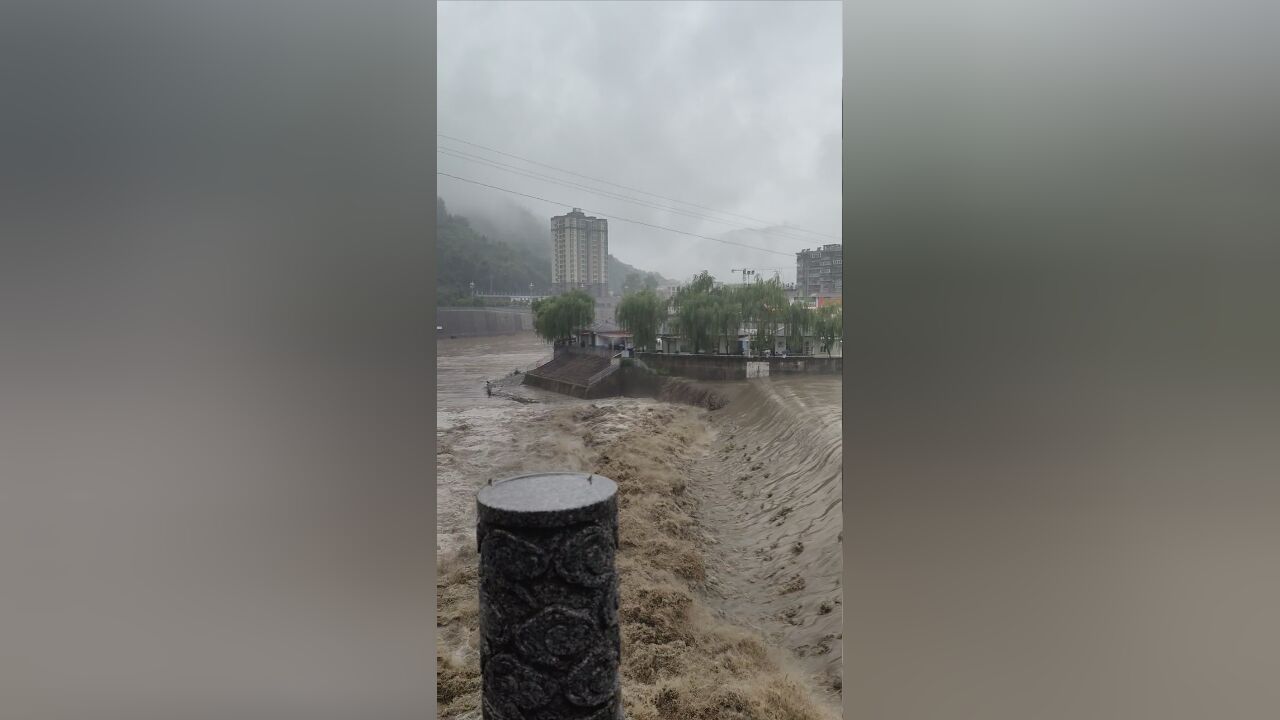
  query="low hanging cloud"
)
[{"x": 725, "y": 105}]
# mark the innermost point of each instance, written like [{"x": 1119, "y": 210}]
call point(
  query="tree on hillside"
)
[
  {"x": 557, "y": 318},
  {"x": 830, "y": 326},
  {"x": 620, "y": 276},
  {"x": 641, "y": 313}
]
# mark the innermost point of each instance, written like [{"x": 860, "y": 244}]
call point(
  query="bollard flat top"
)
[{"x": 547, "y": 492}]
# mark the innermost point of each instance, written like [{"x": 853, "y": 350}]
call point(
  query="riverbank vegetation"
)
[
  {"x": 642, "y": 313},
  {"x": 829, "y": 325},
  {"x": 557, "y": 318},
  {"x": 709, "y": 316}
]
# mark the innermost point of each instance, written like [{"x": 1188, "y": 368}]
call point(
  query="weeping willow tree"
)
[
  {"x": 557, "y": 318},
  {"x": 708, "y": 316},
  {"x": 696, "y": 319},
  {"x": 799, "y": 322},
  {"x": 728, "y": 317},
  {"x": 765, "y": 304},
  {"x": 830, "y": 326},
  {"x": 641, "y": 314},
  {"x": 692, "y": 310}
]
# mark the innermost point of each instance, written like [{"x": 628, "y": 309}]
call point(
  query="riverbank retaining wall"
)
[
  {"x": 609, "y": 386},
  {"x": 734, "y": 367},
  {"x": 478, "y": 321}
]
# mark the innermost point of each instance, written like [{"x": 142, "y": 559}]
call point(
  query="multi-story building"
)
[
  {"x": 580, "y": 253},
  {"x": 820, "y": 273}
]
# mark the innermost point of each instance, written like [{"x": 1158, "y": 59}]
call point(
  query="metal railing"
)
[{"x": 614, "y": 363}]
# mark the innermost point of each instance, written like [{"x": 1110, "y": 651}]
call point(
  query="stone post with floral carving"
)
[{"x": 550, "y": 644}]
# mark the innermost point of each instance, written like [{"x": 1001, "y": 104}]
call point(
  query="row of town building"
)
[
  {"x": 580, "y": 260},
  {"x": 609, "y": 335}
]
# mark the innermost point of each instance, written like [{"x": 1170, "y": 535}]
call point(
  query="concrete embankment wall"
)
[
  {"x": 635, "y": 382},
  {"x": 558, "y": 386},
  {"x": 734, "y": 367},
  {"x": 472, "y": 322},
  {"x": 610, "y": 386}
]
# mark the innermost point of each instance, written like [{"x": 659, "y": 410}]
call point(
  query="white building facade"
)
[{"x": 580, "y": 253}]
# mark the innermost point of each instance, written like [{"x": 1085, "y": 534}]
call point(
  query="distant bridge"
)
[{"x": 513, "y": 298}]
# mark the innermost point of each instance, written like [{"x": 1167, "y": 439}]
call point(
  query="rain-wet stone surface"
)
[{"x": 548, "y": 598}]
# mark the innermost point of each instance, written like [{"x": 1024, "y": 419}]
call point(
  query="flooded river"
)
[{"x": 766, "y": 480}]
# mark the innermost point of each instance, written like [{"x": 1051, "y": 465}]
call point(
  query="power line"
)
[
  {"x": 450, "y": 152},
  {"x": 615, "y": 217},
  {"x": 626, "y": 187}
]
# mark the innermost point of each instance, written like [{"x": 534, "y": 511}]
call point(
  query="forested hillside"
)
[
  {"x": 621, "y": 274},
  {"x": 464, "y": 256}
]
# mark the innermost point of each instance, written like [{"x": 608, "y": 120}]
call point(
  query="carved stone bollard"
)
[{"x": 550, "y": 645}]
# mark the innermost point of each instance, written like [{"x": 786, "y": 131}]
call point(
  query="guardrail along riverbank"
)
[{"x": 739, "y": 367}]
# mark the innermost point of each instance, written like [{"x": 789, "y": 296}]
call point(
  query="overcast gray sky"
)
[{"x": 734, "y": 106}]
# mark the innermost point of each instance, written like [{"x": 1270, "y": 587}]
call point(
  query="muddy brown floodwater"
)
[
  {"x": 750, "y": 518},
  {"x": 771, "y": 491}
]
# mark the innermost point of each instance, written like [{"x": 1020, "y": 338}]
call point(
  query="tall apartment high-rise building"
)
[
  {"x": 580, "y": 253},
  {"x": 820, "y": 273}
]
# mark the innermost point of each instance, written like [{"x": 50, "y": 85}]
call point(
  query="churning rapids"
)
[{"x": 762, "y": 479}]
